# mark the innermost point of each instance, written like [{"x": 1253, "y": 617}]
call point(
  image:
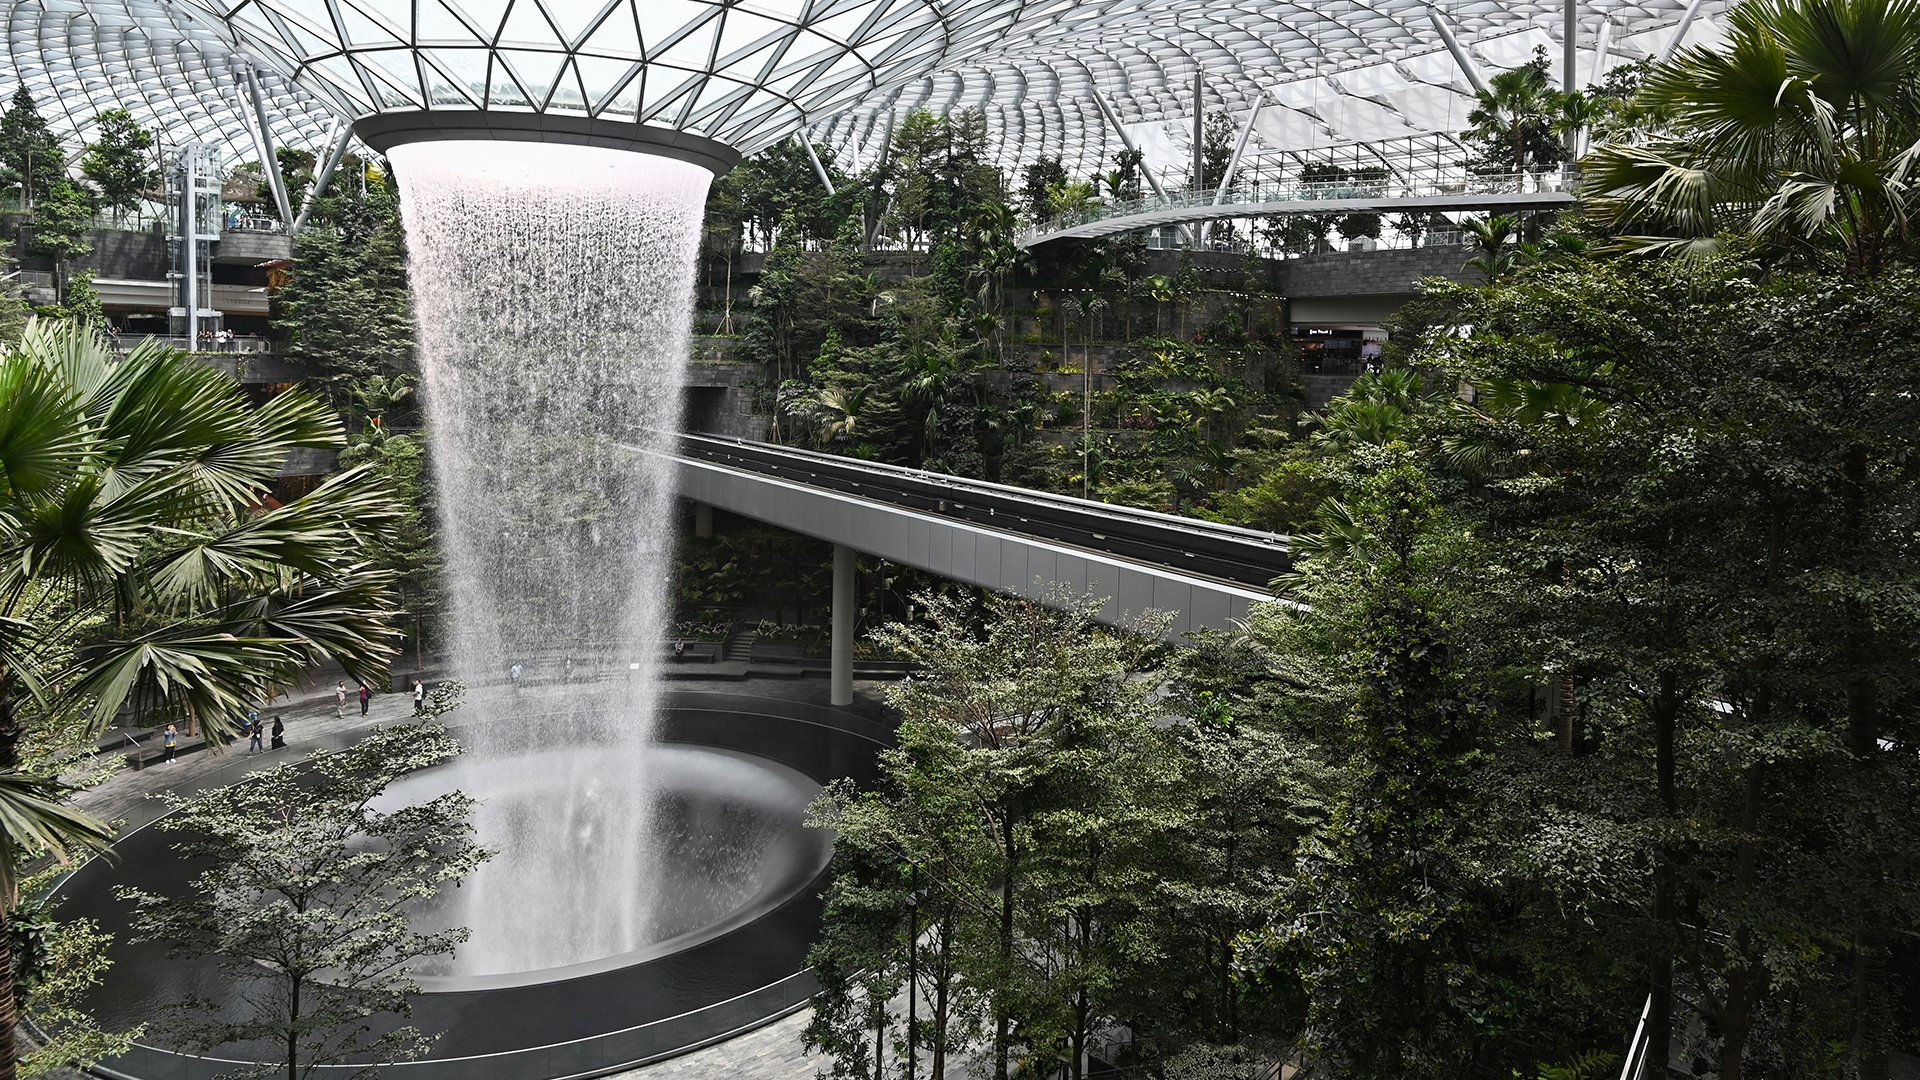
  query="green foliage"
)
[
  {"x": 1391, "y": 922},
  {"x": 1216, "y": 150},
  {"x": 1714, "y": 531},
  {"x": 1520, "y": 121},
  {"x": 305, "y": 899},
  {"x": 141, "y": 571},
  {"x": 754, "y": 566},
  {"x": 56, "y": 966},
  {"x": 83, "y": 302},
  {"x": 345, "y": 313},
  {"x": 61, "y": 222},
  {"x": 408, "y": 547},
  {"x": 1040, "y": 179},
  {"x": 120, "y": 161},
  {"x": 1066, "y": 858},
  {"x": 1592, "y": 1065},
  {"x": 756, "y": 199},
  {"x": 28, "y": 149},
  {"x": 134, "y": 484},
  {"x": 1795, "y": 132}
]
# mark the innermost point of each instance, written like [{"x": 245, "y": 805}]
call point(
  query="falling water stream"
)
[{"x": 553, "y": 288}]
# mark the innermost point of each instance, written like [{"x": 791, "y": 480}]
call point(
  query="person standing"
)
[
  {"x": 169, "y": 739},
  {"x": 366, "y": 695},
  {"x": 419, "y": 698},
  {"x": 340, "y": 700},
  {"x": 279, "y": 734},
  {"x": 253, "y": 740},
  {"x": 513, "y": 676}
]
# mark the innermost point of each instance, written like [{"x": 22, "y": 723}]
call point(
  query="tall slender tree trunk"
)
[
  {"x": 1743, "y": 981},
  {"x": 1872, "y": 1007},
  {"x": 293, "y": 1031},
  {"x": 913, "y": 978},
  {"x": 1666, "y": 709},
  {"x": 1082, "y": 1011},
  {"x": 9, "y": 1008},
  {"x": 9, "y": 1012},
  {"x": 1569, "y": 727},
  {"x": 943, "y": 971},
  {"x": 1002, "y": 1013}
]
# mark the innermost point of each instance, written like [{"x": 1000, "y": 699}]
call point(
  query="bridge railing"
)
[{"x": 1347, "y": 190}]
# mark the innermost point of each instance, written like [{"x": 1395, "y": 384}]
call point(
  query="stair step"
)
[{"x": 739, "y": 646}]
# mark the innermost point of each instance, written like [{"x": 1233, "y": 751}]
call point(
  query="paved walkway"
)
[
  {"x": 770, "y": 1053},
  {"x": 773, "y": 1052}
]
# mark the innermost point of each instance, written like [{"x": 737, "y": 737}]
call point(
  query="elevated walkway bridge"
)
[
  {"x": 1007, "y": 539},
  {"x": 1441, "y": 193}
]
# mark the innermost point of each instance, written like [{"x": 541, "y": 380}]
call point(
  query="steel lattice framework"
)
[{"x": 748, "y": 73}]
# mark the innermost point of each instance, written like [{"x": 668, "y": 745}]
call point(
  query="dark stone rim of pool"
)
[{"x": 615, "y": 1017}]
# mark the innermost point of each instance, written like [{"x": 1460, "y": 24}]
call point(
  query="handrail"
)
[
  {"x": 1528, "y": 182},
  {"x": 1638, "y": 1046}
]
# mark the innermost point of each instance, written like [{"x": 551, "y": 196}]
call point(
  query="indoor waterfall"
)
[{"x": 554, "y": 287}]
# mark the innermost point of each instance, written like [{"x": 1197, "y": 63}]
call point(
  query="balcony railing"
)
[
  {"x": 1237, "y": 201},
  {"x": 240, "y": 345},
  {"x": 254, "y": 223}
]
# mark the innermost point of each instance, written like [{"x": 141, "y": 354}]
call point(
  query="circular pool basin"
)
[{"x": 725, "y": 952}]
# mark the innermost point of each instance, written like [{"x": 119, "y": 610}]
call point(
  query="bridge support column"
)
[
  {"x": 841, "y": 671},
  {"x": 702, "y": 521}
]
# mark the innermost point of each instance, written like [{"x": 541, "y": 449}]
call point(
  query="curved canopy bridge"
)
[{"x": 1548, "y": 189}]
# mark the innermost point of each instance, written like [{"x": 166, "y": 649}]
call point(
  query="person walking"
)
[
  {"x": 253, "y": 740},
  {"x": 279, "y": 734},
  {"x": 513, "y": 676},
  {"x": 340, "y": 700},
  {"x": 366, "y": 695},
  {"x": 419, "y": 698},
  {"x": 169, "y": 739}
]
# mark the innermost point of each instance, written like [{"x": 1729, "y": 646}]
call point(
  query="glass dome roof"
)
[{"x": 748, "y": 73}]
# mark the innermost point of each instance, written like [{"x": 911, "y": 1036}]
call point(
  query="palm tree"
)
[
  {"x": 1802, "y": 130},
  {"x": 1377, "y": 409},
  {"x": 142, "y": 562},
  {"x": 1521, "y": 120},
  {"x": 839, "y": 411},
  {"x": 1493, "y": 239},
  {"x": 937, "y": 377}
]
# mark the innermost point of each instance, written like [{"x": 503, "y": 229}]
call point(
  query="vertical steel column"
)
[
  {"x": 1113, "y": 121},
  {"x": 1679, "y": 32},
  {"x": 1569, "y": 76},
  {"x": 819, "y": 170},
  {"x": 269, "y": 161},
  {"x": 1233, "y": 162},
  {"x": 1199, "y": 127},
  {"x": 1595, "y": 72},
  {"x": 1459, "y": 54},
  {"x": 1239, "y": 150},
  {"x": 840, "y": 680},
  {"x": 1569, "y": 40},
  {"x": 338, "y": 138},
  {"x": 702, "y": 521},
  {"x": 190, "y": 226}
]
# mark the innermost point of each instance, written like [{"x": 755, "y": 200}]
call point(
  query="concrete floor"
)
[{"x": 132, "y": 797}]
